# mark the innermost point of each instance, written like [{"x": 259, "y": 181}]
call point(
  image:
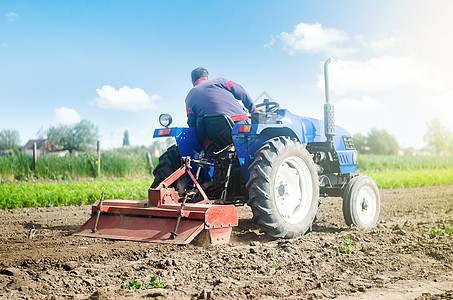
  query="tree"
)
[
  {"x": 9, "y": 139},
  {"x": 126, "y": 141},
  {"x": 381, "y": 142},
  {"x": 80, "y": 136},
  {"x": 360, "y": 142},
  {"x": 438, "y": 138}
]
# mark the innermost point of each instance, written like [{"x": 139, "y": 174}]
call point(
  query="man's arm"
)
[
  {"x": 191, "y": 117},
  {"x": 241, "y": 94}
]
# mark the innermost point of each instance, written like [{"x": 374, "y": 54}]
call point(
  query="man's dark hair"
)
[{"x": 198, "y": 73}]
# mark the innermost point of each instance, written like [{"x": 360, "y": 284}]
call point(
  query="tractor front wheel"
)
[
  {"x": 361, "y": 202},
  {"x": 283, "y": 188}
]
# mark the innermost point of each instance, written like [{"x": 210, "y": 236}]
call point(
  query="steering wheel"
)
[{"x": 270, "y": 107}]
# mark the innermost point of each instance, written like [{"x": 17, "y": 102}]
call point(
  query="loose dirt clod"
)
[{"x": 57, "y": 265}]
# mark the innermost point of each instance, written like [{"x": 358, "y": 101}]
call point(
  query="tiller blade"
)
[{"x": 161, "y": 219}]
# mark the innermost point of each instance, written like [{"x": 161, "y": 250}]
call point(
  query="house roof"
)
[{"x": 39, "y": 143}]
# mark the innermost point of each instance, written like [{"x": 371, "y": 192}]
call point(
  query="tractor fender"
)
[
  {"x": 269, "y": 131},
  {"x": 185, "y": 138},
  {"x": 247, "y": 143}
]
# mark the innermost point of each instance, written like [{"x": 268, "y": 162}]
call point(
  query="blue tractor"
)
[{"x": 280, "y": 165}]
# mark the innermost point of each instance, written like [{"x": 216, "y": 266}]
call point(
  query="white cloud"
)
[
  {"x": 407, "y": 70},
  {"x": 270, "y": 43},
  {"x": 374, "y": 75},
  {"x": 442, "y": 102},
  {"x": 12, "y": 16},
  {"x": 126, "y": 99},
  {"x": 313, "y": 39},
  {"x": 66, "y": 116},
  {"x": 382, "y": 45},
  {"x": 441, "y": 107},
  {"x": 385, "y": 44},
  {"x": 366, "y": 104}
]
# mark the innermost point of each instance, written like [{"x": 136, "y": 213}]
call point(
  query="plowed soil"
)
[{"x": 395, "y": 260}]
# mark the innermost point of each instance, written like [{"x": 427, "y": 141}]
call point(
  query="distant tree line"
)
[
  {"x": 378, "y": 141},
  {"x": 439, "y": 140},
  {"x": 79, "y": 137},
  {"x": 126, "y": 141},
  {"x": 9, "y": 139},
  {"x": 84, "y": 135}
]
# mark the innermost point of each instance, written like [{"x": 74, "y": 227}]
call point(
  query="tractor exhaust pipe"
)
[{"x": 329, "y": 113}]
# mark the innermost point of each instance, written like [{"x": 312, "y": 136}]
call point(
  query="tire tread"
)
[{"x": 259, "y": 188}]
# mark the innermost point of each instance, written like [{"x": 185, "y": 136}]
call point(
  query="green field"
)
[
  {"x": 118, "y": 164},
  {"x": 40, "y": 194},
  {"x": 387, "y": 171},
  {"x": 415, "y": 178},
  {"x": 405, "y": 163},
  {"x": 391, "y": 171}
]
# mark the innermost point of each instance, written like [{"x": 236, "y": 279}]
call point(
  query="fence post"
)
[
  {"x": 150, "y": 161},
  {"x": 35, "y": 156},
  {"x": 99, "y": 157}
]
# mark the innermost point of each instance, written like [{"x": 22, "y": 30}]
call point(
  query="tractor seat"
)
[{"x": 217, "y": 135}]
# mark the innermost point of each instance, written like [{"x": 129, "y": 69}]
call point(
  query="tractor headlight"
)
[
  {"x": 165, "y": 120},
  {"x": 354, "y": 157}
]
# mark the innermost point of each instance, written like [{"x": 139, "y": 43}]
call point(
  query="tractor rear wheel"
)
[
  {"x": 283, "y": 188},
  {"x": 361, "y": 202},
  {"x": 169, "y": 162}
]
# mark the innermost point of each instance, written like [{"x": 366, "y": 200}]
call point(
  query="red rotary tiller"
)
[{"x": 164, "y": 218}]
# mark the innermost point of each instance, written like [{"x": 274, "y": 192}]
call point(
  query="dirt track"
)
[{"x": 395, "y": 260}]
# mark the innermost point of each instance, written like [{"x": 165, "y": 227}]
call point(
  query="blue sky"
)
[{"x": 120, "y": 64}]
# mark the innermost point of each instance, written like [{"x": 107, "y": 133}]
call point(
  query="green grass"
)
[
  {"x": 438, "y": 232},
  {"x": 392, "y": 171},
  {"x": 154, "y": 282},
  {"x": 346, "y": 245},
  {"x": 131, "y": 285},
  {"x": 119, "y": 164},
  {"x": 404, "y": 163},
  {"x": 15, "y": 195},
  {"x": 387, "y": 171},
  {"x": 449, "y": 230},
  {"x": 69, "y": 193},
  {"x": 415, "y": 178},
  {"x": 435, "y": 231}
]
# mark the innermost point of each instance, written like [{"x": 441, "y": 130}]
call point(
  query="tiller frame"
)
[{"x": 164, "y": 217}]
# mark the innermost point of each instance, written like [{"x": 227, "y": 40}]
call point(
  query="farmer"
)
[{"x": 215, "y": 97}]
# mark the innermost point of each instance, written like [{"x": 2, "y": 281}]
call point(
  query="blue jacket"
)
[{"x": 217, "y": 97}]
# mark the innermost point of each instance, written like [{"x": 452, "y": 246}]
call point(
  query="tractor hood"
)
[{"x": 306, "y": 130}]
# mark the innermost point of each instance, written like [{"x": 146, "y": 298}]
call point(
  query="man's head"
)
[{"x": 199, "y": 73}]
